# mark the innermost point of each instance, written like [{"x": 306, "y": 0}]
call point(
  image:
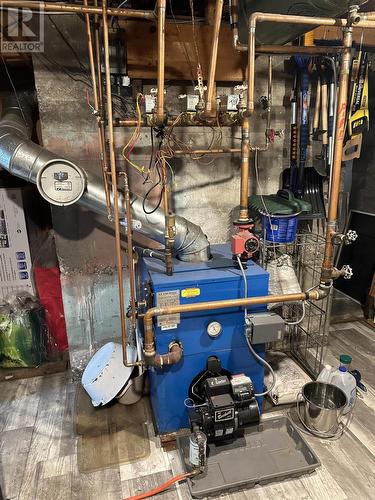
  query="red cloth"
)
[{"x": 49, "y": 290}]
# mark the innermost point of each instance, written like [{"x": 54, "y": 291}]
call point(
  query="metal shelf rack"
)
[{"x": 307, "y": 340}]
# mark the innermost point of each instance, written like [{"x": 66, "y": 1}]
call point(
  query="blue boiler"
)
[{"x": 217, "y": 279}]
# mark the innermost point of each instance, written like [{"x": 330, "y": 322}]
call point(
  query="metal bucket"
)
[{"x": 323, "y": 408}]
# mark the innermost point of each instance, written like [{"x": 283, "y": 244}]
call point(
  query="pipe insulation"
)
[{"x": 21, "y": 157}]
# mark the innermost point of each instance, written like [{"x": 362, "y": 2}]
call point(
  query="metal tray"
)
[{"x": 273, "y": 450}]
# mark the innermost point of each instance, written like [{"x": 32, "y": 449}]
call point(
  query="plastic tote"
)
[{"x": 280, "y": 228}]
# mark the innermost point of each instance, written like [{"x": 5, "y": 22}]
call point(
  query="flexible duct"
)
[{"x": 23, "y": 158}]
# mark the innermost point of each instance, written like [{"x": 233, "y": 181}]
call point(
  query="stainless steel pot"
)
[{"x": 323, "y": 408}]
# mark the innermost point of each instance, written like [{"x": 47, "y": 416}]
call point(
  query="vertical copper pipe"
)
[
  {"x": 101, "y": 108},
  {"x": 100, "y": 126},
  {"x": 160, "y": 115},
  {"x": 233, "y": 10},
  {"x": 269, "y": 99},
  {"x": 251, "y": 67},
  {"x": 129, "y": 252},
  {"x": 112, "y": 159},
  {"x": 342, "y": 102},
  {"x": 210, "y": 108},
  {"x": 168, "y": 215},
  {"x": 245, "y": 171}
]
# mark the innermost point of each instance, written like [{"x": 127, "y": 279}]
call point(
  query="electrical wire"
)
[
  {"x": 252, "y": 350},
  {"x": 300, "y": 319},
  {"x": 182, "y": 43},
  {"x": 267, "y": 365},
  {"x": 14, "y": 88},
  {"x": 128, "y": 148},
  {"x": 244, "y": 281},
  {"x": 162, "y": 487},
  {"x": 121, "y": 4}
]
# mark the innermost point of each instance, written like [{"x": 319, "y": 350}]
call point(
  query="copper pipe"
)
[
  {"x": 101, "y": 111},
  {"x": 342, "y": 102},
  {"x": 79, "y": 9},
  {"x": 149, "y": 345},
  {"x": 160, "y": 116},
  {"x": 294, "y": 49},
  {"x": 101, "y": 136},
  {"x": 269, "y": 100},
  {"x": 245, "y": 170},
  {"x": 288, "y": 19},
  {"x": 233, "y": 12},
  {"x": 168, "y": 235},
  {"x": 116, "y": 214},
  {"x": 182, "y": 152},
  {"x": 183, "y": 122},
  {"x": 129, "y": 252},
  {"x": 210, "y": 107}
]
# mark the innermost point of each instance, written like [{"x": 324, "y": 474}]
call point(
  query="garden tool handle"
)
[
  {"x": 317, "y": 106},
  {"x": 324, "y": 114}
]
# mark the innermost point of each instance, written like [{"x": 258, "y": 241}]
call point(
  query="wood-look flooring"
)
[{"x": 38, "y": 445}]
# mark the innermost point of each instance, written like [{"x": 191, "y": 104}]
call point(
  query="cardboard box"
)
[{"x": 15, "y": 259}]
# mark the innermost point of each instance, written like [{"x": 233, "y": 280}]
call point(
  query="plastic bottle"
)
[
  {"x": 326, "y": 374},
  {"x": 345, "y": 360},
  {"x": 345, "y": 381}
]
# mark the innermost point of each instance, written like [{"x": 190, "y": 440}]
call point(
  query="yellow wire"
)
[{"x": 139, "y": 168}]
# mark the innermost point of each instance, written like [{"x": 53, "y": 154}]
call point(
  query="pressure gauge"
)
[
  {"x": 214, "y": 329},
  {"x": 61, "y": 183}
]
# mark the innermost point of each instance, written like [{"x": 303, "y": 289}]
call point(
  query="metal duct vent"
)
[
  {"x": 25, "y": 159},
  {"x": 271, "y": 33}
]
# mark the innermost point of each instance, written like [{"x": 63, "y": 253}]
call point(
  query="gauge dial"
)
[{"x": 214, "y": 329}]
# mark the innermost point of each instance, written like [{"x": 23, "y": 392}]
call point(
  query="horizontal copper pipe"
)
[
  {"x": 187, "y": 121},
  {"x": 293, "y": 49},
  {"x": 182, "y": 152},
  {"x": 258, "y": 17},
  {"x": 79, "y": 9},
  {"x": 367, "y": 16},
  {"x": 149, "y": 345}
]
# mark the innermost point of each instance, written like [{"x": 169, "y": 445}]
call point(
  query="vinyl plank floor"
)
[{"x": 38, "y": 444}]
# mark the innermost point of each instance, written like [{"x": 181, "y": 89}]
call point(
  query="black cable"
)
[{"x": 147, "y": 212}]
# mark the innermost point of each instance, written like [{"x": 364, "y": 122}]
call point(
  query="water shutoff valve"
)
[
  {"x": 351, "y": 236},
  {"x": 346, "y": 272}
]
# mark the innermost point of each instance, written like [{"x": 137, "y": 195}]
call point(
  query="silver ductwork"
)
[{"x": 21, "y": 157}]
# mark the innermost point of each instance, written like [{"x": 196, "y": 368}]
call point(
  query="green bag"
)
[{"x": 23, "y": 335}]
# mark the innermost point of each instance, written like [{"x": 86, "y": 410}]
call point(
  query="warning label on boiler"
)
[{"x": 166, "y": 299}]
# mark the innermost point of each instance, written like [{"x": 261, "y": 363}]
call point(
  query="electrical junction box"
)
[
  {"x": 192, "y": 282},
  {"x": 150, "y": 103},
  {"x": 266, "y": 327}
]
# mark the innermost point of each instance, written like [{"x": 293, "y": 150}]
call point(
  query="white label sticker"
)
[{"x": 165, "y": 299}]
